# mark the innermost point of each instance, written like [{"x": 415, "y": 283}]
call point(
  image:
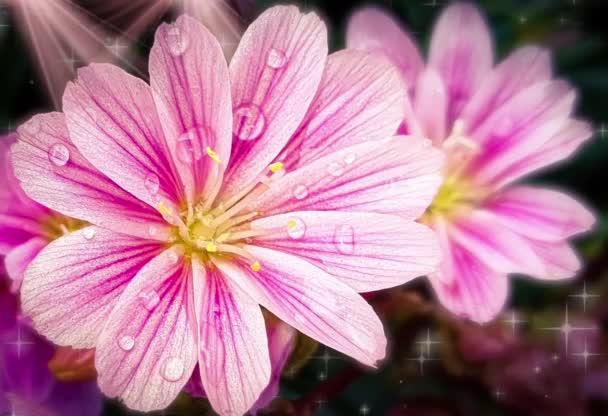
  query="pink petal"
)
[
  {"x": 189, "y": 76},
  {"x": 471, "y": 289},
  {"x": 312, "y": 301},
  {"x": 109, "y": 112},
  {"x": 520, "y": 127},
  {"x": 147, "y": 349},
  {"x": 431, "y": 105},
  {"x": 17, "y": 260},
  {"x": 74, "y": 283},
  {"x": 496, "y": 246},
  {"x": 461, "y": 50},
  {"x": 523, "y": 68},
  {"x": 540, "y": 214},
  {"x": 558, "y": 148},
  {"x": 396, "y": 176},
  {"x": 281, "y": 341},
  {"x": 275, "y": 73},
  {"x": 360, "y": 99},
  {"x": 372, "y": 30},
  {"x": 54, "y": 173},
  {"x": 366, "y": 251},
  {"x": 559, "y": 259},
  {"x": 233, "y": 348}
]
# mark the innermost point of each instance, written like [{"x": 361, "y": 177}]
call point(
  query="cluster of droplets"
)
[{"x": 343, "y": 238}]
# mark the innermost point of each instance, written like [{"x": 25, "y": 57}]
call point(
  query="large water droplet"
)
[
  {"x": 276, "y": 59},
  {"x": 249, "y": 122},
  {"x": 335, "y": 169},
  {"x": 344, "y": 239},
  {"x": 177, "y": 41},
  {"x": 59, "y": 155},
  {"x": 300, "y": 192},
  {"x": 149, "y": 300},
  {"x": 126, "y": 342},
  {"x": 173, "y": 369},
  {"x": 152, "y": 184},
  {"x": 187, "y": 147},
  {"x": 89, "y": 233},
  {"x": 296, "y": 228}
]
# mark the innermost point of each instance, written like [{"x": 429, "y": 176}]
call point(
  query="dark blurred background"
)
[{"x": 547, "y": 355}]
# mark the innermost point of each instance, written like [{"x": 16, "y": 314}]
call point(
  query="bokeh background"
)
[{"x": 547, "y": 355}]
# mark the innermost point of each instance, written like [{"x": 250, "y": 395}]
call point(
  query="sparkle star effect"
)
[
  {"x": 428, "y": 342},
  {"x": 514, "y": 321},
  {"x": 566, "y": 328},
  {"x": 19, "y": 342},
  {"x": 585, "y": 355},
  {"x": 584, "y": 296}
]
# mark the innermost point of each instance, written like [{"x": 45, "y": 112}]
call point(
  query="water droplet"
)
[
  {"x": 335, "y": 169},
  {"x": 300, "y": 192},
  {"x": 153, "y": 231},
  {"x": 59, "y": 155},
  {"x": 276, "y": 59},
  {"x": 152, "y": 184},
  {"x": 126, "y": 342},
  {"x": 296, "y": 228},
  {"x": 350, "y": 158},
  {"x": 177, "y": 41},
  {"x": 173, "y": 369},
  {"x": 32, "y": 126},
  {"x": 187, "y": 148},
  {"x": 89, "y": 233},
  {"x": 172, "y": 257},
  {"x": 249, "y": 122},
  {"x": 149, "y": 300},
  {"x": 344, "y": 239}
]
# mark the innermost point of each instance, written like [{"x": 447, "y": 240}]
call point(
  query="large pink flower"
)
[
  {"x": 271, "y": 182},
  {"x": 495, "y": 125}
]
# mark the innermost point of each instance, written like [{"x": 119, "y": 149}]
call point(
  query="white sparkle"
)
[
  {"x": 584, "y": 296},
  {"x": 428, "y": 342},
  {"x": 566, "y": 329},
  {"x": 364, "y": 409},
  {"x": 602, "y": 130},
  {"x": 514, "y": 321},
  {"x": 585, "y": 355},
  {"x": 19, "y": 343}
]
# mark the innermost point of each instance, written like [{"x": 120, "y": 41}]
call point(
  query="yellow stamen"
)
[
  {"x": 213, "y": 155},
  {"x": 211, "y": 248},
  {"x": 163, "y": 209},
  {"x": 276, "y": 167},
  {"x": 256, "y": 267}
]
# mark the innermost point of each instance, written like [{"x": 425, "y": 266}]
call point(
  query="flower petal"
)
[
  {"x": 499, "y": 248},
  {"x": 461, "y": 50},
  {"x": 471, "y": 289},
  {"x": 54, "y": 173},
  {"x": 366, "y": 251},
  {"x": 523, "y": 68},
  {"x": 189, "y": 76},
  {"x": 275, "y": 74},
  {"x": 559, "y": 259},
  {"x": 540, "y": 214},
  {"x": 431, "y": 105},
  {"x": 396, "y": 176},
  {"x": 109, "y": 112},
  {"x": 360, "y": 99},
  {"x": 311, "y": 301},
  {"x": 21, "y": 256},
  {"x": 372, "y": 30},
  {"x": 73, "y": 284},
  {"x": 147, "y": 349},
  {"x": 233, "y": 348}
]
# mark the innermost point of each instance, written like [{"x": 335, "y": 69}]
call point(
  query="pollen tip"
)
[
  {"x": 163, "y": 209},
  {"x": 213, "y": 155},
  {"x": 292, "y": 224},
  {"x": 211, "y": 248},
  {"x": 256, "y": 267},
  {"x": 276, "y": 167}
]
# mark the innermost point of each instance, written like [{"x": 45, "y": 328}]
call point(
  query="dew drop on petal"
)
[
  {"x": 59, "y": 155},
  {"x": 249, "y": 122},
  {"x": 276, "y": 59},
  {"x": 335, "y": 169},
  {"x": 187, "y": 147},
  {"x": 89, "y": 233},
  {"x": 172, "y": 257},
  {"x": 126, "y": 342},
  {"x": 350, "y": 158},
  {"x": 177, "y": 41},
  {"x": 153, "y": 231},
  {"x": 152, "y": 184},
  {"x": 32, "y": 126},
  {"x": 344, "y": 239},
  {"x": 173, "y": 369},
  {"x": 300, "y": 192},
  {"x": 296, "y": 228},
  {"x": 149, "y": 300}
]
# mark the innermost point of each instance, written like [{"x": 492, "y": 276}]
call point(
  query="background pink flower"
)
[
  {"x": 496, "y": 125},
  {"x": 271, "y": 182}
]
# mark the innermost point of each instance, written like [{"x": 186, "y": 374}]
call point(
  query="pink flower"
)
[
  {"x": 274, "y": 181},
  {"x": 496, "y": 125}
]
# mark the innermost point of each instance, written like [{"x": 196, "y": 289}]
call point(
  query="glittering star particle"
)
[
  {"x": 585, "y": 355},
  {"x": 584, "y": 296},
  {"x": 566, "y": 328}
]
